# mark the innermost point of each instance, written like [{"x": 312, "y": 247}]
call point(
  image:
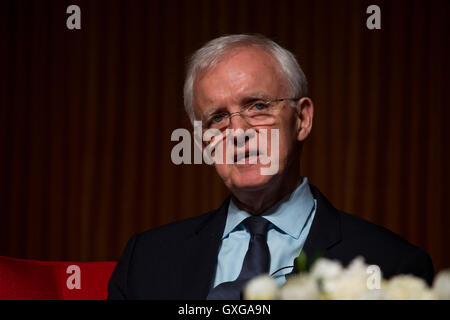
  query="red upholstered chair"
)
[{"x": 56, "y": 280}]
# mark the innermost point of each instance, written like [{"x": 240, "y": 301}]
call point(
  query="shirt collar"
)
[
  {"x": 234, "y": 218},
  {"x": 289, "y": 214}
]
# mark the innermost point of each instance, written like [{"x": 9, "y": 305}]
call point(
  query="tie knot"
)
[{"x": 256, "y": 225}]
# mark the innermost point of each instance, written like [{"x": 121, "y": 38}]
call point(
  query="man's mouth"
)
[{"x": 244, "y": 157}]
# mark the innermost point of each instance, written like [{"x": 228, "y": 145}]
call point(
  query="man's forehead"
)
[{"x": 242, "y": 68}]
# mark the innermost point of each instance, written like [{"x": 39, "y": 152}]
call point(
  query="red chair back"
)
[{"x": 55, "y": 280}]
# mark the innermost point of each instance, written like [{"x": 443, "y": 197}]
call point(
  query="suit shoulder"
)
[
  {"x": 381, "y": 246},
  {"x": 354, "y": 227},
  {"x": 374, "y": 239},
  {"x": 177, "y": 229}
]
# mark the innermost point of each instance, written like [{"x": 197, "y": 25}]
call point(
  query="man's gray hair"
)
[{"x": 214, "y": 51}]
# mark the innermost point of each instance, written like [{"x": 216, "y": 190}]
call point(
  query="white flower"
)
[
  {"x": 441, "y": 285},
  {"x": 408, "y": 287},
  {"x": 262, "y": 287},
  {"x": 350, "y": 284},
  {"x": 326, "y": 269},
  {"x": 300, "y": 287}
]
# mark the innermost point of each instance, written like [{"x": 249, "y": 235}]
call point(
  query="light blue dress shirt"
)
[{"x": 290, "y": 218}]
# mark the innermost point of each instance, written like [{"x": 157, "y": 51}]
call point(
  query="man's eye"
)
[
  {"x": 217, "y": 118},
  {"x": 259, "y": 106}
]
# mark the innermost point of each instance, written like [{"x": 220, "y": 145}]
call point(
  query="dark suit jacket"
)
[{"x": 178, "y": 260}]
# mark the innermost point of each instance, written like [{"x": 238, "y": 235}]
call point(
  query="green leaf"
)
[
  {"x": 301, "y": 262},
  {"x": 316, "y": 256}
]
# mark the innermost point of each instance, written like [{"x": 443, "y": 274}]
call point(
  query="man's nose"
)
[
  {"x": 237, "y": 121},
  {"x": 240, "y": 130}
]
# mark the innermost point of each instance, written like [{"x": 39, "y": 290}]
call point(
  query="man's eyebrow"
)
[
  {"x": 213, "y": 110},
  {"x": 256, "y": 95}
]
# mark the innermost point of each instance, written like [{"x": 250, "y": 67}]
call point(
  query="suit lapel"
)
[
  {"x": 325, "y": 230},
  {"x": 202, "y": 249}
]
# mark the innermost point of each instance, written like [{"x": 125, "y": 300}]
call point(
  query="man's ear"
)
[{"x": 305, "y": 114}]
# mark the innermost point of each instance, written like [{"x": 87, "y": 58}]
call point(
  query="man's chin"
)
[{"x": 249, "y": 177}]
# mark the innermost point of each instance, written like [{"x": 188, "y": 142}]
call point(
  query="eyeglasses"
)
[{"x": 256, "y": 113}]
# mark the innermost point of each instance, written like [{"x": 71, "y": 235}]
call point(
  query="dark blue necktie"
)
[{"x": 256, "y": 261}]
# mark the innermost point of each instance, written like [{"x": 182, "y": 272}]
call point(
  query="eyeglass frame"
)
[{"x": 228, "y": 115}]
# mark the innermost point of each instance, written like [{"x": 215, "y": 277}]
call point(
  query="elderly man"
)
[{"x": 249, "y": 82}]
